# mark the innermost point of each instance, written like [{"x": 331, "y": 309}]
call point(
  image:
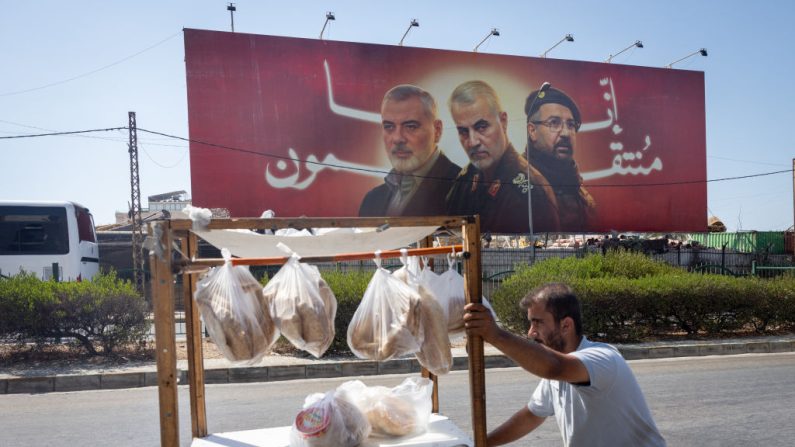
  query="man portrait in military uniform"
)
[
  {"x": 495, "y": 182},
  {"x": 421, "y": 174},
  {"x": 553, "y": 120}
]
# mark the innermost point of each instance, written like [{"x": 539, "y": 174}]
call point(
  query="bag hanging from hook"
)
[
  {"x": 236, "y": 313},
  {"x": 386, "y": 323},
  {"x": 303, "y": 305},
  {"x": 435, "y": 352}
]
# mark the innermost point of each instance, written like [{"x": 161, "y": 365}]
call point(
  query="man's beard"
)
[
  {"x": 557, "y": 171},
  {"x": 483, "y": 164},
  {"x": 405, "y": 165},
  {"x": 555, "y": 341},
  {"x": 551, "y": 156},
  {"x": 564, "y": 142}
]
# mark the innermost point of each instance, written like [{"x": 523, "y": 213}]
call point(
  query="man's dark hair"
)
[
  {"x": 559, "y": 300},
  {"x": 405, "y": 92}
]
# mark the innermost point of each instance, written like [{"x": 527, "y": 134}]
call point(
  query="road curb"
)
[{"x": 347, "y": 368}]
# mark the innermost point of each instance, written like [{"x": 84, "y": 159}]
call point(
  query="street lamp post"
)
[
  {"x": 414, "y": 23},
  {"x": 329, "y": 16},
  {"x": 493, "y": 32},
  {"x": 702, "y": 51},
  {"x": 637, "y": 43},
  {"x": 231, "y": 8},
  {"x": 566, "y": 38}
]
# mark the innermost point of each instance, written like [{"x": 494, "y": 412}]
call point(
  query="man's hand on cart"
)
[{"x": 478, "y": 320}]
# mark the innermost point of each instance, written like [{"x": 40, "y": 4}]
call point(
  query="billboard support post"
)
[
  {"x": 541, "y": 90},
  {"x": 530, "y": 219}
]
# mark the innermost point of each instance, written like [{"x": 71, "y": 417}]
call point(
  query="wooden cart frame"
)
[{"x": 165, "y": 265}]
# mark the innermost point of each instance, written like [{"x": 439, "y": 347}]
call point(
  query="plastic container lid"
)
[{"x": 312, "y": 422}]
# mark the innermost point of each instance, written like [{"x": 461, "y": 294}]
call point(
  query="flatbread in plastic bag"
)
[
  {"x": 386, "y": 323},
  {"x": 236, "y": 313},
  {"x": 399, "y": 411},
  {"x": 435, "y": 353},
  {"x": 304, "y": 307},
  {"x": 449, "y": 290}
]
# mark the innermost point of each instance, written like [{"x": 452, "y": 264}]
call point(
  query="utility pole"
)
[{"x": 135, "y": 207}]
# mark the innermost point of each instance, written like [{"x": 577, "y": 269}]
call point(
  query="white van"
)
[{"x": 38, "y": 236}]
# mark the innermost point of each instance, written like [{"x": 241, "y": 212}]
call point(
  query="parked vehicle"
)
[{"x": 49, "y": 239}]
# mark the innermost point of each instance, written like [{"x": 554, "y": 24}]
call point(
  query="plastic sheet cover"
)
[{"x": 248, "y": 244}]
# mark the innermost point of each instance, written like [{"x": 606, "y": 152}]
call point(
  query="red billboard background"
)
[{"x": 267, "y": 104}]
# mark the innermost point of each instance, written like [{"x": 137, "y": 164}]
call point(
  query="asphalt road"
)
[{"x": 702, "y": 401}]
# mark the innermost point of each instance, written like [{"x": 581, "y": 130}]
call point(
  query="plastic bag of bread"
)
[
  {"x": 329, "y": 420},
  {"x": 304, "y": 307},
  {"x": 448, "y": 288},
  {"x": 411, "y": 271},
  {"x": 236, "y": 313},
  {"x": 399, "y": 411},
  {"x": 386, "y": 323},
  {"x": 435, "y": 353}
]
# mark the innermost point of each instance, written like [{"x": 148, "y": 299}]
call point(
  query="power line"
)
[
  {"x": 72, "y": 132},
  {"x": 93, "y": 137},
  {"x": 278, "y": 157},
  {"x": 149, "y": 156},
  {"x": 52, "y": 84},
  {"x": 114, "y": 139},
  {"x": 688, "y": 182},
  {"x": 381, "y": 171},
  {"x": 748, "y": 161}
]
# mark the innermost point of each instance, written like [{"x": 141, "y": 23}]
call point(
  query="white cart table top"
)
[{"x": 442, "y": 432}]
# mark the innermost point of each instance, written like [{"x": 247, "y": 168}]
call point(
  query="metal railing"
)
[{"x": 767, "y": 271}]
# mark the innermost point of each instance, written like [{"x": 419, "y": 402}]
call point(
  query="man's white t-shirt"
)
[{"x": 609, "y": 411}]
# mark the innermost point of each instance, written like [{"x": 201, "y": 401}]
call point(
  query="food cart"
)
[{"x": 174, "y": 247}]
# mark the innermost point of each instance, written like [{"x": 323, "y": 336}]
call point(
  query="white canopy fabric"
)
[{"x": 248, "y": 244}]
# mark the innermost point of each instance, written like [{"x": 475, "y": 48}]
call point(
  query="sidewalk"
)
[{"x": 277, "y": 368}]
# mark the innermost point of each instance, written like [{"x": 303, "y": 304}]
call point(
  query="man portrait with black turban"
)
[{"x": 553, "y": 120}]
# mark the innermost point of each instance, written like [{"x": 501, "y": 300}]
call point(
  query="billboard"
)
[{"x": 296, "y": 126}]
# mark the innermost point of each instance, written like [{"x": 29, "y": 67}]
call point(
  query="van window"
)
[
  {"x": 33, "y": 230},
  {"x": 85, "y": 225}
]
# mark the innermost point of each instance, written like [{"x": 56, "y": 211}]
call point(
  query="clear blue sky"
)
[{"x": 749, "y": 80}]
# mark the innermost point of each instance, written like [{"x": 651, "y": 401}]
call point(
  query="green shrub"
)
[
  {"x": 105, "y": 312},
  {"x": 19, "y": 296},
  {"x": 775, "y": 307},
  {"x": 631, "y": 265},
  {"x": 349, "y": 289},
  {"x": 506, "y": 298},
  {"x": 611, "y": 308},
  {"x": 626, "y": 296},
  {"x": 583, "y": 275}
]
